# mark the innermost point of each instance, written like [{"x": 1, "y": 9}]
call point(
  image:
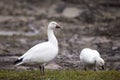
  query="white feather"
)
[
  {"x": 42, "y": 52},
  {"x": 90, "y": 57}
]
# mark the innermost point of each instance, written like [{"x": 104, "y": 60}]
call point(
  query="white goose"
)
[
  {"x": 91, "y": 58},
  {"x": 42, "y": 52}
]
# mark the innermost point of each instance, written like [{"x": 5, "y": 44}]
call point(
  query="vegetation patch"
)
[{"x": 59, "y": 75}]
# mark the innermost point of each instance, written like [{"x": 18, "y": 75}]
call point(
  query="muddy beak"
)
[
  {"x": 103, "y": 67},
  {"x": 58, "y": 26}
]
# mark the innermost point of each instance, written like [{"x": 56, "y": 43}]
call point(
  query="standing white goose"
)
[
  {"x": 42, "y": 52},
  {"x": 91, "y": 58}
]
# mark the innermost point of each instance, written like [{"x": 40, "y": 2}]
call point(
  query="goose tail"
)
[{"x": 18, "y": 62}]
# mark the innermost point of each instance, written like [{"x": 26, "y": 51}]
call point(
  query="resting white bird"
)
[
  {"x": 91, "y": 58},
  {"x": 42, "y": 52}
]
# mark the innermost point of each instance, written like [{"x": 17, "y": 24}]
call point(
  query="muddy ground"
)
[{"x": 94, "y": 24}]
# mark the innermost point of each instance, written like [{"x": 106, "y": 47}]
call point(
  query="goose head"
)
[
  {"x": 52, "y": 25},
  {"x": 100, "y": 62}
]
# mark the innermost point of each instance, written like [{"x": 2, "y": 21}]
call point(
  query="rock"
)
[
  {"x": 101, "y": 40},
  {"x": 113, "y": 59},
  {"x": 7, "y": 59},
  {"x": 22, "y": 68},
  {"x": 51, "y": 11},
  {"x": 53, "y": 66},
  {"x": 114, "y": 48},
  {"x": 88, "y": 39},
  {"x": 22, "y": 40},
  {"x": 60, "y": 7},
  {"x": 74, "y": 1},
  {"x": 71, "y": 12}
]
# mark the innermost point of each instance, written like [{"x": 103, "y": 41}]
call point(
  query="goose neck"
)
[{"x": 52, "y": 38}]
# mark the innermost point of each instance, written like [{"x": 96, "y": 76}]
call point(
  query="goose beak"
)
[
  {"x": 103, "y": 67},
  {"x": 57, "y": 26}
]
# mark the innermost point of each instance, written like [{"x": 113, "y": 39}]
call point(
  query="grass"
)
[{"x": 59, "y": 75}]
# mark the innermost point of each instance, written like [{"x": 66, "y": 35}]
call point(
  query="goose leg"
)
[
  {"x": 42, "y": 66},
  {"x": 85, "y": 67},
  {"x": 41, "y": 69},
  {"x": 95, "y": 66}
]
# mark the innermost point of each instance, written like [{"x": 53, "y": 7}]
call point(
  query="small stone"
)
[
  {"x": 88, "y": 39},
  {"x": 71, "y": 12},
  {"x": 114, "y": 48},
  {"x": 53, "y": 66},
  {"x": 22, "y": 68}
]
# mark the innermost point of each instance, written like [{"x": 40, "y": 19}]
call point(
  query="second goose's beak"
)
[
  {"x": 103, "y": 67},
  {"x": 57, "y": 26}
]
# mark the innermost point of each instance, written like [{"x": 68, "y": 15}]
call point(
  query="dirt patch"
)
[{"x": 96, "y": 25}]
